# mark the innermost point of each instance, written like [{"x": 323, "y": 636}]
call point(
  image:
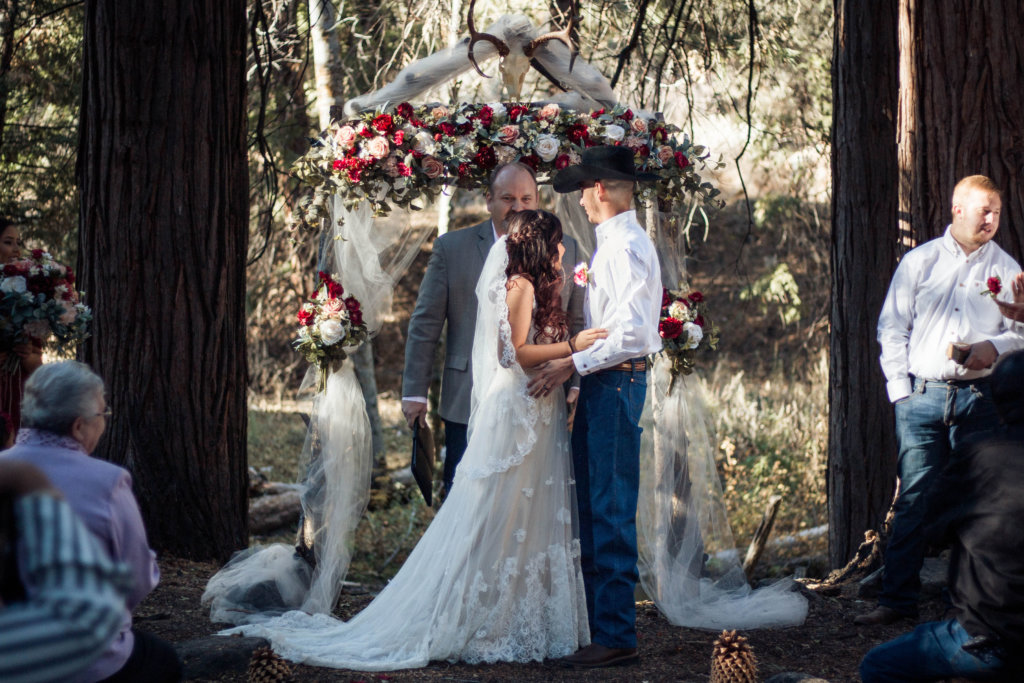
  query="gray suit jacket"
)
[{"x": 448, "y": 293}]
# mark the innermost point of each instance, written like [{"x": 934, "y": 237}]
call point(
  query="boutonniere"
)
[
  {"x": 581, "y": 275},
  {"x": 993, "y": 286}
]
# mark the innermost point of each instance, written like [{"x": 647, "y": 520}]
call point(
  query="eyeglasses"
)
[{"x": 108, "y": 413}]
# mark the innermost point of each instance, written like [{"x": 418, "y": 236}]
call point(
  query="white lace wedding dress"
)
[{"x": 496, "y": 576}]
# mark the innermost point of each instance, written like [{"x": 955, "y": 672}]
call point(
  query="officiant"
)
[{"x": 447, "y": 295}]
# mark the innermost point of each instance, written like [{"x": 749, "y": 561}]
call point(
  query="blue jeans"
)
[
  {"x": 930, "y": 424},
  {"x": 454, "y": 447},
  {"x": 930, "y": 652},
  {"x": 606, "y": 462}
]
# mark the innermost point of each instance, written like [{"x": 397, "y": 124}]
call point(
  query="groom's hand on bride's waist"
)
[{"x": 549, "y": 375}]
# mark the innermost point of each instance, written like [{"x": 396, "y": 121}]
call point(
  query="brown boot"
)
[
  {"x": 881, "y": 616},
  {"x": 594, "y": 656}
]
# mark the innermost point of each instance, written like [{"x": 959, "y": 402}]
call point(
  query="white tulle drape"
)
[{"x": 262, "y": 582}]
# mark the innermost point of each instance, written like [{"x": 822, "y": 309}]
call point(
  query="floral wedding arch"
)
[{"x": 400, "y": 158}]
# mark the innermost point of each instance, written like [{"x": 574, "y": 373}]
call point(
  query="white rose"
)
[
  {"x": 423, "y": 143},
  {"x": 13, "y": 284},
  {"x": 498, "y": 108},
  {"x": 546, "y": 147},
  {"x": 331, "y": 331},
  {"x": 679, "y": 311},
  {"x": 614, "y": 133},
  {"x": 694, "y": 333},
  {"x": 505, "y": 154}
]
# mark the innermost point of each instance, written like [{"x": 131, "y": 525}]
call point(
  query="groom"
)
[{"x": 623, "y": 295}]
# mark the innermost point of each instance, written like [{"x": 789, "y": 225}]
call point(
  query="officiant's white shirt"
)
[
  {"x": 623, "y": 296},
  {"x": 937, "y": 297}
]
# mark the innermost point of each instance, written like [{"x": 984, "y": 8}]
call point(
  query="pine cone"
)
[
  {"x": 267, "y": 667},
  {"x": 732, "y": 660}
]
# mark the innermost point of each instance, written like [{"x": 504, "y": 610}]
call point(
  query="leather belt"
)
[{"x": 631, "y": 365}]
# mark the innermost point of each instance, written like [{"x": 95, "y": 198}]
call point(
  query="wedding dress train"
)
[{"x": 496, "y": 575}]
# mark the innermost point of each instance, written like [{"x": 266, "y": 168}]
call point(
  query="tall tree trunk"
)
[
  {"x": 162, "y": 169},
  {"x": 861, "y": 453},
  {"x": 8, "y": 20},
  {"x": 961, "y": 75}
]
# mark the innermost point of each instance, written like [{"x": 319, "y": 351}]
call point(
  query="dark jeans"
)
[
  {"x": 606, "y": 462},
  {"x": 454, "y": 447},
  {"x": 930, "y": 424},
  {"x": 152, "y": 660},
  {"x": 930, "y": 652}
]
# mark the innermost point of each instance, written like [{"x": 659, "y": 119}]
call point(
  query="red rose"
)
[
  {"x": 533, "y": 161},
  {"x": 643, "y": 151},
  {"x": 486, "y": 115},
  {"x": 399, "y": 137},
  {"x": 334, "y": 290},
  {"x": 994, "y": 284},
  {"x": 383, "y": 123},
  {"x": 485, "y": 158},
  {"x": 658, "y": 134},
  {"x": 681, "y": 160},
  {"x": 324, "y": 276},
  {"x": 364, "y": 131},
  {"x": 696, "y": 297},
  {"x": 37, "y": 254},
  {"x": 666, "y": 298},
  {"x": 306, "y": 317},
  {"x": 355, "y": 317},
  {"x": 670, "y": 328},
  {"x": 404, "y": 170},
  {"x": 577, "y": 132},
  {"x": 354, "y": 174},
  {"x": 463, "y": 169},
  {"x": 339, "y": 164},
  {"x": 515, "y": 112},
  {"x": 699, "y": 320},
  {"x": 447, "y": 129},
  {"x": 595, "y": 114},
  {"x": 562, "y": 161},
  {"x": 627, "y": 115},
  {"x": 352, "y": 304},
  {"x": 404, "y": 110}
]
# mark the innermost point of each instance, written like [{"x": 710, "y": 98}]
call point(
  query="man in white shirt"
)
[
  {"x": 940, "y": 297},
  {"x": 623, "y": 295}
]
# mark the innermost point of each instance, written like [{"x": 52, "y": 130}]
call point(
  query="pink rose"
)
[
  {"x": 345, "y": 137},
  {"x": 506, "y": 154},
  {"x": 438, "y": 113},
  {"x": 377, "y": 147},
  {"x": 633, "y": 142},
  {"x": 333, "y": 306},
  {"x": 432, "y": 167},
  {"x": 549, "y": 111},
  {"x": 665, "y": 154},
  {"x": 638, "y": 125},
  {"x": 508, "y": 134}
]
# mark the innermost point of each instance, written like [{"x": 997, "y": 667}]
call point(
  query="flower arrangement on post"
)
[
  {"x": 407, "y": 156},
  {"x": 329, "y": 322},
  {"x": 38, "y": 299},
  {"x": 686, "y": 329}
]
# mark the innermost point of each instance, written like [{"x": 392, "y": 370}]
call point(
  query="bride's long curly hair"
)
[{"x": 533, "y": 239}]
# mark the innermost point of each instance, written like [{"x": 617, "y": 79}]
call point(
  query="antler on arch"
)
[
  {"x": 564, "y": 36},
  {"x": 476, "y": 36}
]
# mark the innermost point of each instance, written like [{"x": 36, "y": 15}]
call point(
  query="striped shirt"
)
[{"x": 75, "y": 596}]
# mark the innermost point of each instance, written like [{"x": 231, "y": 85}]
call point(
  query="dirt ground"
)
[{"x": 827, "y": 645}]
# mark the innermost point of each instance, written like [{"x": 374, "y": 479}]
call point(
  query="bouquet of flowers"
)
[
  {"x": 328, "y": 323},
  {"x": 407, "y": 156},
  {"x": 686, "y": 329},
  {"x": 37, "y": 299}
]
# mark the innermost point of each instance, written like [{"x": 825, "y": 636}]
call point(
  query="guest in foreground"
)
[
  {"x": 937, "y": 301},
  {"x": 982, "y": 505},
  {"x": 60, "y": 614},
  {"x": 64, "y": 414}
]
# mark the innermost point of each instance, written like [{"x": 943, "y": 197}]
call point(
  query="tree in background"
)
[{"x": 164, "y": 186}]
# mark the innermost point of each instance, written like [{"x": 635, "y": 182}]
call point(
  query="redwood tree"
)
[
  {"x": 861, "y": 454},
  {"x": 162, "y": 169}
]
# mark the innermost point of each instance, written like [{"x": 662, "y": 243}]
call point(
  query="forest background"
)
[{"x": 750, "y": 82}]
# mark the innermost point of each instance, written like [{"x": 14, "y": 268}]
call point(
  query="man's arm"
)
[
  {"x": 424, "y": 331},
  {"x": 894, "y": 325},
  {"x": 577, "y": 297}
]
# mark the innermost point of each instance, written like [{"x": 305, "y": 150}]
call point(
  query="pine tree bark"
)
[
  {"x": 961, "y": 72},
  {"x": 164, "y": 230},
  {"x": 861, "y": 453}
]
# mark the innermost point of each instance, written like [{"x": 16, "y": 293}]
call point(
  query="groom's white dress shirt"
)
[
  {"x": 936, "y": 297},
  {"x": 623, "y": 295}
]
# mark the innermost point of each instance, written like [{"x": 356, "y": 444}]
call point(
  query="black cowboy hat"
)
[{"x": 600, "y": 163}]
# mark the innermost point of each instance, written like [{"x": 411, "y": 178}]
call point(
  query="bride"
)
[{"x": 496, "y": 576}]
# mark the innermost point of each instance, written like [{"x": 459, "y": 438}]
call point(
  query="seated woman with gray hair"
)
[{"x": 64, "y": 414}]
